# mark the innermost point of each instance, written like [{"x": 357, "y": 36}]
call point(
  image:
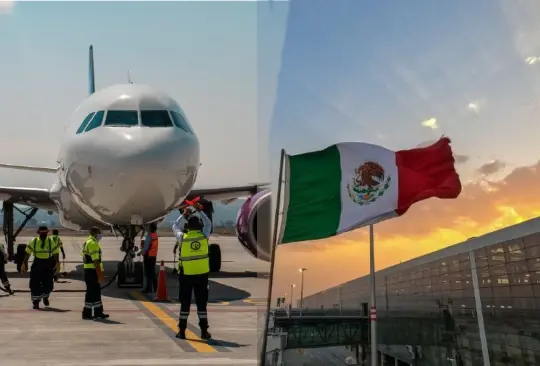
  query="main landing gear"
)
[
  {"x": 10, "y": 234},
  {"x": 129, "y": 271}
]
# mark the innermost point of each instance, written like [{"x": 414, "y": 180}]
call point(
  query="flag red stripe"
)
[{"x": 426, "y": 172}]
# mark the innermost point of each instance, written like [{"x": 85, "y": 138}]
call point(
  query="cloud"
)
[
  {"x": 430, "y": 123},
  {"x": 473, "y": 107},
  {"x": 531, "y": 60},
  {"x": 428, "y": 226},
  {"x": 491, "y": 168},
  {"x": 461, "y": 159},
  {"x": 6, "y": 6}
]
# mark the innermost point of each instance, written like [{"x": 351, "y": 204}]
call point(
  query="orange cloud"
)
[{"x": 428, "y": 226}]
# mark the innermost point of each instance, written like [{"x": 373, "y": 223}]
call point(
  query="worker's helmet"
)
[{"x": 43, "y": 230}]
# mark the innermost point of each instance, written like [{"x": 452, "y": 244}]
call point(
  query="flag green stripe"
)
[{"x": 314, "y": 208}]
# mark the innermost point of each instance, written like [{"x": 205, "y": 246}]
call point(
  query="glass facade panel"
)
[
  {"x": 439, "y": 297},
  {"x": 509, "y": 302},
  {"x": 436, "y": 301}
]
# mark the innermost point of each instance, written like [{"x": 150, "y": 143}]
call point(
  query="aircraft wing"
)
[
  {"x": 30, "y": 168},
  {"x": 227, "y": 193},
  {"x": 35, "y": 197}
]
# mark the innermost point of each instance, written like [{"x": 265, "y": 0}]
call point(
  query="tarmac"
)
[{"x": 139, "y": 331}]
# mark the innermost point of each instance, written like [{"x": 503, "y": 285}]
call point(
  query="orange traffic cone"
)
[{"x": 161, "y": 294}]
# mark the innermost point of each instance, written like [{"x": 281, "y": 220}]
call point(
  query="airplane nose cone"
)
[{"x": 141, "y": 170}]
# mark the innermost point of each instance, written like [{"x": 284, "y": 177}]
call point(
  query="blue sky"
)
[
  {"x": 362, "y": 70},
  {"x": 204, "y": 54}
]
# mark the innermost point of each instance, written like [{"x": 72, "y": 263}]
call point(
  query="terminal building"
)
[{"x": 480, "y": 297}]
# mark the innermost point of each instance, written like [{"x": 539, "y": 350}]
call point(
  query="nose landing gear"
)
[{"x": 130, "y": 271}]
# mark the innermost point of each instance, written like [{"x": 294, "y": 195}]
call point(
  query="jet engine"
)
[{"x": 253, "y": 225}]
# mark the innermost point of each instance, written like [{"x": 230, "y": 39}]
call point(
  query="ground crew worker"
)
[
  {"x": 3, "y": 273},
  {"x": 41, "y": 273},
  {"x": 193, "y": 267},
  {"x": 93, "y": 276},
  {"x": 58, "y": 246},
  {"x": 149, "y": 253}
]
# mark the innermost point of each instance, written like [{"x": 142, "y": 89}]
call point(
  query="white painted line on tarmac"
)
[
  {"x": 85, "y": 329},
  {"x": 156, "y": 362},
  {"x": 234, "y": 329}
]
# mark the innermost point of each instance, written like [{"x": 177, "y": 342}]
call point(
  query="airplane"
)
[{"x": 129, "y": 156}]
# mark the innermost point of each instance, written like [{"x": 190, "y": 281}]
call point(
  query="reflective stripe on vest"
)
[
  {"x": 194, "y": 253},
  {"x": 154, "y": 245}
]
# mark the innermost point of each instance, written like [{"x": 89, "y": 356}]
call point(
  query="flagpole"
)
[
  {"x": 272, "y": 261},
  {"x": 373, "y": 312}
]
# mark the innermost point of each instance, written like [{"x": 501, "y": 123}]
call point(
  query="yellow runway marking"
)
[
  {"x": 192, "y": 339},
  {"x": 221, "y": 303},
  {"x": 254, "y": 302}
]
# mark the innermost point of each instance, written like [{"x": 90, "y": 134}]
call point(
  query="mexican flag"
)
[{"x": 354, "y": 184}]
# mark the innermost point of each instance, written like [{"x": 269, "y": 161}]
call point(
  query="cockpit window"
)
[
  {"x": 179, "y": 121},
  {"x": 156, "y": 119},
  {"x": 85, "y": 122},
  {"x": 95, "y": 122},
  {"x": 122, "y": 118}
]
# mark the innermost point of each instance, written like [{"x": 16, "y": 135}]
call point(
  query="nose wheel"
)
[{"x": 130, "y": 271}]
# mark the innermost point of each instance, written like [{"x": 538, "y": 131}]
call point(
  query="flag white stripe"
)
[{"x": 352, "y": 156}]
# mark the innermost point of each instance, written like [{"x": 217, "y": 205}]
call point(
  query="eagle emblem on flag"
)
[{"x": 368, "y": 183}]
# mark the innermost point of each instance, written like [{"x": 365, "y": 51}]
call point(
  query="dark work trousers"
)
[
  {"x": 150, "y": 273},
  {"x": 3, "y": 274},
  {"x": 199, "y": 285},
  {"x": 41, "y": 279},
  {"x": 92, "y": 297}
]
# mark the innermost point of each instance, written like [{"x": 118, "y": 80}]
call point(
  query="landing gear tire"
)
[
  {"x": 214, "y": 254},
  {"x": 19, "y": 256}
]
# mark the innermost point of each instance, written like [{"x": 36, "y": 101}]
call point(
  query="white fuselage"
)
[{"x": 121, "y": 170}]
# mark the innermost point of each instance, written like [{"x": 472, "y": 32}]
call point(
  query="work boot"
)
[
  {"x": 203, "y": 324},
  {"x": 36, "y": 305},
  {"x": 46, "y": 301},
  {"x": 87, "y": 314},
  {"x": 181, "y": 334},
  {"x": 55, "y": 278},
  {"x": 9, "y": 290},
  {"x": 99, "y": 314},
  {"x": 205, "y": 334}
]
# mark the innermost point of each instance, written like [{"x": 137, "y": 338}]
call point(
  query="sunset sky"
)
[{"x": 402, "y": 78}]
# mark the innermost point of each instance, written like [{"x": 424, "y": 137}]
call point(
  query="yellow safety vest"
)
[
  {"x": 57, "y": 244},
  {"x": 39, "y": 248},
  {"x": 194, "y": 253},
  {"x": 91, "y": 252}
]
